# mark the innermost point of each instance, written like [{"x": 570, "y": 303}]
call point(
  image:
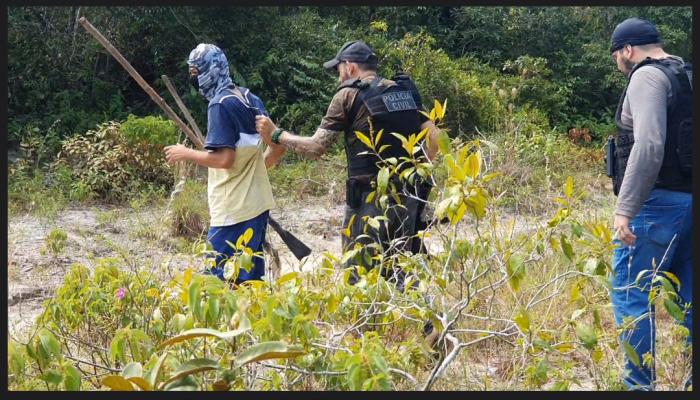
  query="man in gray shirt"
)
[{"x": 652, "y": 180}]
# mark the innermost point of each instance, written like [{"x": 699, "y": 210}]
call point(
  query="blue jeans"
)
[
  {"x": 220, "y": 236},
  {"x": 663, "y": 230}
]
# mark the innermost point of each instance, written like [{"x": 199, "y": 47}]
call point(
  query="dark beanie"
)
[{"x": 634, "y": 31}]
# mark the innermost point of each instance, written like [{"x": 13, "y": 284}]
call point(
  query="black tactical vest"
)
[
  {"x": 675, "y": 172},
  {"x": 393, "y": 108}
]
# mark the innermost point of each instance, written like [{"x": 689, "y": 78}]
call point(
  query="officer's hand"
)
[
  {"x": 621, "y": 225},
  {"x": 175, "y": 153},
  {"x": 265, "y": 127}
]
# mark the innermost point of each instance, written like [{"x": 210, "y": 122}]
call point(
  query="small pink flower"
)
[{"x": 121, "y": 292}]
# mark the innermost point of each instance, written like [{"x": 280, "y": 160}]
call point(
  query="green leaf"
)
[
  {"x": 382, "y": 179},
  {"x": 140, "y": 382},
  {"x": 188, "y": 383},
  {"x": 247, "y": 235},
  {"x": 640, "y": 275},
  {"x": 52, "y": 377},
  {"x": 457, "y": 216},
  {"x": 587, "y": 336},
  {"x": 192, "y": 367},
  {"x": 287, "y": 277},
  {"x": 152, "y": 376},
  {"x": 515, "y": 267},
  {"x": 266, "y": 351},
  {"x": 16, "y": 362},
  {"x": 364, "y": 139},
  {"x": 117, "y": 347},
  {"x": 71, "y": 379},
  {"x": 443, "y": 142},
  {"x": 569, "y": 187},
  {"x": 438, "y": 109},
  {"x": 132, "y": 369},
  {"x": 373, "y": 222},
  {"x": 49, "y": 342},
  {"x": 473, "y": 165},
  {"x": 213, "y": 307},
  {"x": 674, "y": 310},
  {"x": 378, "y": 137},
  {"x": 199, "y": 332},
  {"x": 490, "y": 176},
  {"x": 194, "y": 295},
  {"x": 590, "y": 266},
  {"x": 563, "y": 347},
  {"x": 665, "y": 283},
  {"x": 566, "y": 248},
  {"x": 672, "y": 277},
  {"x": 522, "y": 319},
  {"x": 116, "y": 382},
  {"x": 631, "y": 353}
]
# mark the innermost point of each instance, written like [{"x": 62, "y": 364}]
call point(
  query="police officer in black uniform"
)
[{"x": 366, "y": 102}]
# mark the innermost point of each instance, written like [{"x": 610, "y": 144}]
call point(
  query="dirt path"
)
[{"x": 97, "y": 232}]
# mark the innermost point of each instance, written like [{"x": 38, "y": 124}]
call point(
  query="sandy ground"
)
[{"x": 96, "y": 232}]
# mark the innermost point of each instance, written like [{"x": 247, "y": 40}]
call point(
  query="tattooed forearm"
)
[{"x": 312, "y": 147}]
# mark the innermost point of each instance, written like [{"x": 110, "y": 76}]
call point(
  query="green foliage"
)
[
  {"x": 55, "y": 241},
  {"x": 438, "y": 77},
  {"x": 38, "y": 148},
  {"x": 34, "y": 190},
  {"x": 111, "y": 165},
  {"x": 50, "y": 55},
  {"x": 149, "y": 131}
]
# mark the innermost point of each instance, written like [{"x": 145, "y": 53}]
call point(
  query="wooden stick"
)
[
  {"x": 182, "y": 106},
  {"x": 145, "y": 86}
]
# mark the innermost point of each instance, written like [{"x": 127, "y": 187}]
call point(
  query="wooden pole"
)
[
  {"x": 182, "y": 106},
  {"x": 145, "y": 86}
]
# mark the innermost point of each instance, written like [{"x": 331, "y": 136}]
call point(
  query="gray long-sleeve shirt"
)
[{"x": 644, "y": 111}]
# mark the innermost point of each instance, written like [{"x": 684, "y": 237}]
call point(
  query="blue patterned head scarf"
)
[{"x": 212, "y": 65}]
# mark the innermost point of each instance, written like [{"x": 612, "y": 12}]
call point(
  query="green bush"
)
[
  {"x": 55, "y": 242},
  {"x": 149, "y": 131},
  {"x": 33, "y": 190},
  {"x": 113, "y": 163},
  {"x": 472, "y": 104},
  {"x": 38, "y": 147}
]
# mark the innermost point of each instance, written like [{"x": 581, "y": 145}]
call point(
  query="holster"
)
[{"x": 355, "y": 187}]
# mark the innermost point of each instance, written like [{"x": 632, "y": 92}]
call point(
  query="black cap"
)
[
  {"x": 634, "y": 31},
  {"x": 353, "y": 51}
]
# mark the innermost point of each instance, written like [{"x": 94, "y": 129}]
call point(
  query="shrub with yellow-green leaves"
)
[{"x": 116, "y": 159}]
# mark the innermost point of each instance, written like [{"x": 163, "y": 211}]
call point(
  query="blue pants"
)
[
  {"x": 219, "y": 235},
  {"x": 663, "y": 230}
]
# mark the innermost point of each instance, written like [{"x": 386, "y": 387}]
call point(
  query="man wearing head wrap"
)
[
  {"x": 652, "y": 179},
  {"x": 239, "y": 192}
]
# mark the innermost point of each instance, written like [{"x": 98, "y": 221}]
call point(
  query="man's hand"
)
[
  {"x": 621, "y": 225},
  {"x": 265, "y": 127},
  {"x": 176, "y": 153}
]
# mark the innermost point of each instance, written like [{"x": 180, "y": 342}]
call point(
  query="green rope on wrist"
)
[{"x": 276, "y": 135}]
